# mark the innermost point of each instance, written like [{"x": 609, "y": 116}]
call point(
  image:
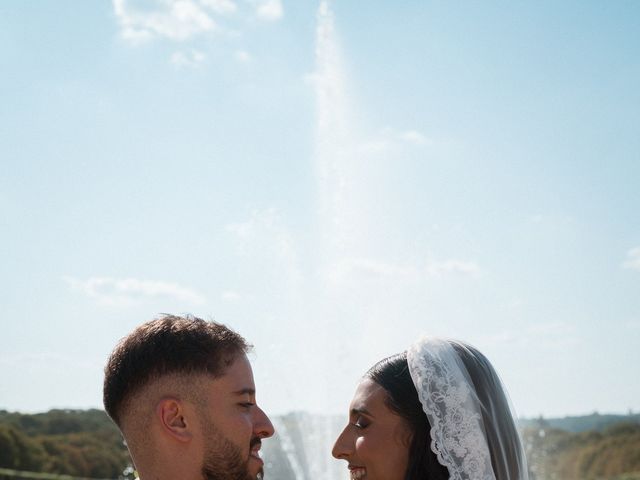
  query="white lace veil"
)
[{"x": 473, "y": 431}]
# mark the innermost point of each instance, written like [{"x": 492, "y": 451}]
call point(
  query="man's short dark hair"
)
[{"x": 164, "y": 346}]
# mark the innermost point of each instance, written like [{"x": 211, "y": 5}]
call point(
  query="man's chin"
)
[{"x": 255, "y": 468}]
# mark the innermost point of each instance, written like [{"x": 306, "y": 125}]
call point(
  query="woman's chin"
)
[{"x": 357, "y": 473}]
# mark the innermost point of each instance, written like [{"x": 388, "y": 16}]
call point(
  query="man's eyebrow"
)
[{"x": 245, "y": 391}]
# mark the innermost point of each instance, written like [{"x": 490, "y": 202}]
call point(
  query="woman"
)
[{"x": 435, "y": 412}]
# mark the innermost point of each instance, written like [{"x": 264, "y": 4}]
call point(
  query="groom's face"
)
[{"x": 233, "y": 425}]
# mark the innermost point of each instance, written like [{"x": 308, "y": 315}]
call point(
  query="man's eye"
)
[{"x": 247, "y": 405}]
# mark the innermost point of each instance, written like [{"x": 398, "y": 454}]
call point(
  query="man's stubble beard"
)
[{"x": 223, "y": 460}]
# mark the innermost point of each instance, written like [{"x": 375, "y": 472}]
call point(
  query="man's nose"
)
[
  {"x": 262, "y": 426},
  {"x": 343, "y": 447}
]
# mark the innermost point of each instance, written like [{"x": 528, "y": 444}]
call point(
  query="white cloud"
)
[
  {"x": 369, "y": 268},
  {"x": 372, "y": 268},
  {"x": 260, "y": 220},
  {"x": 413, "y": 136},
  {"x": 136, "y": 36},
  {"x": 191, "y": 59},
  {"x": 141, "y": 21},
  {"x": 633, "y": 259},
  {"x": 389, "y": 138},
  {"x": 173, "y": 19},
  {"x": 220, "y": 6},
  {"x": 231, "y": 296},
  {"x": 452, "y": 266},
  {"x": 128, "y": 291},
  {"x": 270, "y": 10},
  {"x": 245, "y": 230}
]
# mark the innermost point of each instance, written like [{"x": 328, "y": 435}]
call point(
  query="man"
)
[{"x": 181, "y": 391}]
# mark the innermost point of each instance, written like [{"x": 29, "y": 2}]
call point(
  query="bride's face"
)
[{"x": 375, "y": 442}]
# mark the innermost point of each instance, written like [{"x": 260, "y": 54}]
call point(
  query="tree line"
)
[
  {"x": 85, "y": 443},
  {"x": 81, "y": 443},
  {"x": 612, "y": 453}
]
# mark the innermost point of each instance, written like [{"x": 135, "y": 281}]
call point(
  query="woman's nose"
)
[{"x": 343, "y": 447}]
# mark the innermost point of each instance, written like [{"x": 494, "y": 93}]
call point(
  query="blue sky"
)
[{"x": 332, "y": 181}]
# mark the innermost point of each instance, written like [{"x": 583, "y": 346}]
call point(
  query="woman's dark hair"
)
[{"x": 393, "y": 375}]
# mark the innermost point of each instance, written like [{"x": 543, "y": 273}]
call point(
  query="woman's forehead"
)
[{"x": 369, "y": 395}]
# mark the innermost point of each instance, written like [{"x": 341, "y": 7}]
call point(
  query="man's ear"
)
[{"x": 173, "y": 420}]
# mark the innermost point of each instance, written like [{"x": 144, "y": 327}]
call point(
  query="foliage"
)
[
  {"x": 613, "y": 453},
  {"x": 82, "y": 443},
  {"x": 576, "y": 424},
  {"x": 87, "y": 444}
]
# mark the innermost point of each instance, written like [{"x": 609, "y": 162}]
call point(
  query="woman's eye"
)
[{"x": 361, "y": 423}]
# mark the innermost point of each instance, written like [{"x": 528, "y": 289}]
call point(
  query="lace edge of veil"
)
[{"x": 457, "y": 437}]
